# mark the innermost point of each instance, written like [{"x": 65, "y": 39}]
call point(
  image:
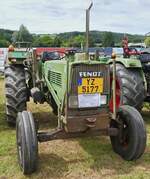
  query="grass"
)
[{"x": 88, "y": 158}]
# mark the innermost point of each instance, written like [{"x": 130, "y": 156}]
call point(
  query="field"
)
[{"x": 88, "y": 158}]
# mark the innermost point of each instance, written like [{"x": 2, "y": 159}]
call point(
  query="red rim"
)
[{"x": 118, "y": 96}]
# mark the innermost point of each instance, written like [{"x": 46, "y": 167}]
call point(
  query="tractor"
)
[
  {"x": 142, "y": 58},
  {"x": 78, "y": 87},
  {"x": 131, "y": 82}
]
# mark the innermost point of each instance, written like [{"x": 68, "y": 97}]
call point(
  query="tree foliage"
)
[
  {"x": 67, "y": 39},
  {"x": 108, "y": 40},
  {"x": 46, "y": 41},
  {"x": 147, "y": 41},
  {"x": 4, "y": 43},
  {"x": 74, "y": 41},
  {"x": 23, "y": 35},
  {"x": 57, "y": 42},
  {"x": 5, "y": 37}
]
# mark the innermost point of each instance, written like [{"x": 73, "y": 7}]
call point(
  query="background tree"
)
[
  {"x": 79, "y": 41},
  {"x": 43, "y": 41},
  {"x": 4, "y": 43},
  {"x": 147, "y": 41},
  {"x": 5, "y": 37},
  {"x": 57, "y": 41},
  {"x": 23, "y": 35},
  {"x": 108, "y": 40},
  {"x": 74, "y": 39}
]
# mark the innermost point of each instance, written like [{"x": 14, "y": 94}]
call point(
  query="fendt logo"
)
[{"x": 90, "y": 74}]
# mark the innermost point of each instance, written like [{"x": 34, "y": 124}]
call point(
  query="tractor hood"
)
[{"x": 69, "y": 80}]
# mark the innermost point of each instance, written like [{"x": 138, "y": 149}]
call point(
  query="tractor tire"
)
[
  {"x": 130, "y": 143},
  {"x": 27, "y": 143},
  {"x": 131, "y": 86},
  {"x": 15, "y": 92}
]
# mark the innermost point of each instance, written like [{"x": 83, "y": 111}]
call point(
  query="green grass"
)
[{"x": 88, "y": 158}]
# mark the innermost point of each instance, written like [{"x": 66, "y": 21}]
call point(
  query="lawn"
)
[{"x": 88, "y": 158}]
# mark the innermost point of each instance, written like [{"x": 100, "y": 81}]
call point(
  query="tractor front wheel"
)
[
  {"x": 130, "y": 142},
  {"x": 27, "y": 144}
]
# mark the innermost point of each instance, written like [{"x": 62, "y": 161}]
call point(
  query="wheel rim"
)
[
  {"x": 118, "y": 96},
  {"x": 124, "y": 138}
]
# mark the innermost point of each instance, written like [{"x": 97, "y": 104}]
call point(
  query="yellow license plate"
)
[{"x": 90, "y": 85}]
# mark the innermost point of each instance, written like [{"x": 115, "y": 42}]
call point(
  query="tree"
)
[
  {"x": 23, "y": 35},
  {"x": 43, "y": 41},
  {"x": 76, "y": 41},
  {"x": 4, "y": 43},
  {"x": 147, "y": 41},
  {"x": 57, "y": 42},
  {"x": 79, "y": 41},
  {"x": 46, "y": 41},
  {"x": 108, "y": 40}
]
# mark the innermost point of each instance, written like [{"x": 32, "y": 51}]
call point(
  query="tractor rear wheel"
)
[
  {"x": 130, "y": 87},
  {"x": 15, "y": 91},
  {"x": 130, "y": 143},
  {"x": 27, "y": 144}
]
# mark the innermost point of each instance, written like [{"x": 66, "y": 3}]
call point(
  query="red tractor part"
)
[
  {"x": 11, "y": 48},
  {"x": 40, "y": 50},
  {"x": 118, "y": 96},
  {"x": 127, "y": 52}
]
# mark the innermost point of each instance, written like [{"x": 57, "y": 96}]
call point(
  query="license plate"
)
[
  {"x": 90, "y": 85},
  {"x": 89, "y": 100}
]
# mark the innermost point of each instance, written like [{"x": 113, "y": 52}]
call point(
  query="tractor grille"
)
[
  {"x": 55, "y": 78},
  {"x": 90, "y": 68}
]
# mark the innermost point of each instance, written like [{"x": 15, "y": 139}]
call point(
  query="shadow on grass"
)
[
  {"x": 3, "y": 123},
  {"x": 52, "y": 166},
  {"x": 46, "y": 120},
  {"x": 103, "y": 157},
  {"x": 98, "y": 148},
  {"x": 146, "y": 116}
]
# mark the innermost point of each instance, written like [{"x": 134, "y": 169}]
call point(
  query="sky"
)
[{"x": 56, "y": 16}]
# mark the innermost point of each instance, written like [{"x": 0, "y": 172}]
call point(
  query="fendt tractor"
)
[{"x": 80, "y": 89}]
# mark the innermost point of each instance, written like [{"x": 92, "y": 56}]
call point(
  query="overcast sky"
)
[{"x": 54, "y": 16}]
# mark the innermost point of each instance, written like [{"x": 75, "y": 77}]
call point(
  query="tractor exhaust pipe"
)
[{"x": 88, "y": 30}]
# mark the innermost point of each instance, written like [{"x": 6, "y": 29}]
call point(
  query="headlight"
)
[
  {"x": 103, "y": 99},
  {"x": 73, "y": 101}
]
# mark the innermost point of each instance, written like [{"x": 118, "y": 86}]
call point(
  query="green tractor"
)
[
  {"x": 130, "y": 82},
  {"x": 79, "y": 91},
  {"x": 132, "y": 77}
]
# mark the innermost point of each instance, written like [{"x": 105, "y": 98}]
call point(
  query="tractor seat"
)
[{"x": 46, "y": 56}]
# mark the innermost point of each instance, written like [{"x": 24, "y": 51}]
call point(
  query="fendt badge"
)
[{"x": 90, "y": 74}]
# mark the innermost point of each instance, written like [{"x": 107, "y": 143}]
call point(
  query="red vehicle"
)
[
  {"x": 127, "y": 51},
  {"x": 40, "y": 50}
]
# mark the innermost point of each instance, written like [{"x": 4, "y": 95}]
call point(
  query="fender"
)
[
  {"x": 131, "y": 63},
  {"x": 127, "y": 62}
]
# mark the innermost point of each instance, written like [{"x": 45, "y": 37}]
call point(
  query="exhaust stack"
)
[{"x": 88, "y": 29}]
